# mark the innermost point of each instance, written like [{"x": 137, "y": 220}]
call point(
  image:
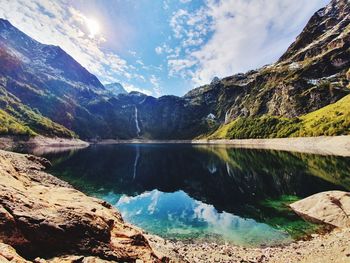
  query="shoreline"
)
[
  {"x": 324, "y": 145},
  {"x": 40, "y": 144},
  {"x": 26, "y": 190}
]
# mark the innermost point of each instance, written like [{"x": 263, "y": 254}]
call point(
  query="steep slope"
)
[
  {"x": 47, "y": 79},
  {"x": 18, "y": 119},
  {"x": 331, "y": 120}
]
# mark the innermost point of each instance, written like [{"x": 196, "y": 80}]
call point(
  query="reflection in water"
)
[
  {"x": 176, "y": 215},
  {"x": 136, "y": 161},
  {"x": 204, "y": 192}
]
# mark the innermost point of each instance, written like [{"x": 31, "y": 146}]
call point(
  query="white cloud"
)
[
  {"x": 129, "y": 87},
  {"x": 156, "y": 85},
  {"x": 159, "y": 50},
  {"x": 132, "y": 53},
  {"x": 241, "y": 35},
  {"x": 191, "y": 26},
  {"x": 180, "y": 66},
  {"x": 166, "y": 4},
  {"x": 58, "y": 23}
]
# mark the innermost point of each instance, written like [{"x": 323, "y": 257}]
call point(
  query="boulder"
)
[{"x": 332, "y": 208}]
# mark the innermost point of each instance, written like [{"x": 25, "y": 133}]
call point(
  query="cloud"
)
[
  {"x": 58, "y": 23},
  {"x": 203, "y": 39},
  {"x": 180, "y": 66},
  {"x": 190, "y": 26},
  {"x": 156, "y": 85},
  {"x": 129, "y": 87},
  {"x": 159, "y": 50},
  {"x": 226, "y": 37}
]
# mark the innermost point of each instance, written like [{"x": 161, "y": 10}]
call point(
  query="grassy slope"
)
[
  {"x": 331, "y": 120},
  {"x": 18, "y": 119},
  {"x": 11, "y": 126}
]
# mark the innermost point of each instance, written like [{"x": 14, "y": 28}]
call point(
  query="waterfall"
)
[
  {"x": 226, "y": 117},
  {"x": 138, "y": 130},
  {"x": 136, "y": 161}
]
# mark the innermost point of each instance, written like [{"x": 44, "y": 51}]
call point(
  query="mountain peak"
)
[
  {"x": 115, "y": 88},
  {"x": 327, "y": 24}
]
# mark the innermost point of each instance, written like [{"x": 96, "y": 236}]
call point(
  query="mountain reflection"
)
[
  {"x": 227, "y": 184},
  {"x": 213, "y": 174}
]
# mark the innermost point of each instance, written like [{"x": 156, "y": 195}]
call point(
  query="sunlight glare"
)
[{"x": 93, "y": 26}]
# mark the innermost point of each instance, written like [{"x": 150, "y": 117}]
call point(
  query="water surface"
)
[{"x": 204, "y": 192}]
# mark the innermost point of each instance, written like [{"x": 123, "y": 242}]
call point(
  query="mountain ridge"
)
[{"x": 312, "y": 74}]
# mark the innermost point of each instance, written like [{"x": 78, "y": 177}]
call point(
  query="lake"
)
[{"x": 204, "y": 192}]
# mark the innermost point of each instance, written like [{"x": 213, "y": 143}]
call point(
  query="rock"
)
[
  {"x": 9, "y": 254},
  {"x": 43, "y": 217},
  {"x": 331, "y": 207}
]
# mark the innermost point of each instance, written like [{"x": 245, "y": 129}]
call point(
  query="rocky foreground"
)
[{"x": 43, "y": 219}]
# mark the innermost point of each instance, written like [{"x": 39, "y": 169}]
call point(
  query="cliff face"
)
[{"x": 42, "y": 216}]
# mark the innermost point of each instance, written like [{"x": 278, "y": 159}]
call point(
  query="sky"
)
[{"x": 162, "y": 47}]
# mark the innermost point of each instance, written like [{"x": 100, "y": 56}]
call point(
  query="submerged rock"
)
[
  {"x": 331, "y": 208},
  {"x": 44, "y": 217}
]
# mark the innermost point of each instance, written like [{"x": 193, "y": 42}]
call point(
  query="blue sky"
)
[{"x": 164, "y": 46}]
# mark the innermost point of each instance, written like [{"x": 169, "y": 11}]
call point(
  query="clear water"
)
[{"x": 204, "y": 193}]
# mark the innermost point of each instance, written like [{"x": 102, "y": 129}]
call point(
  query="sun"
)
[{"x": 93, "y": 26}]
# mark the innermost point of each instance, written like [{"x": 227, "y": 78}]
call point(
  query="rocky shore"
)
[{"x": 43, "y": 219}]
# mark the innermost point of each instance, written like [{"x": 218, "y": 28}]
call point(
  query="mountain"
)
[
  {"x": 19, "y": 119},
  {"x": 274, "y": 100},
  {"x": 305, "y": 93},
  {"x": 115, "y": 89},
  {"x": 46, "y": 79}
]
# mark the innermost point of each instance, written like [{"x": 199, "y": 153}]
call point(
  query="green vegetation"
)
[
  {"x": 331, "y": 120},
  {"x": 10, "y": 126},
  {"x": 18, "y": 119},
  {"x": 260, "y": 127}
]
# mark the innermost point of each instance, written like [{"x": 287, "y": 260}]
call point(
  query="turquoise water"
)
[
  {"x": 178, "y": 216},
  {"x": 204, "y": 193}
]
